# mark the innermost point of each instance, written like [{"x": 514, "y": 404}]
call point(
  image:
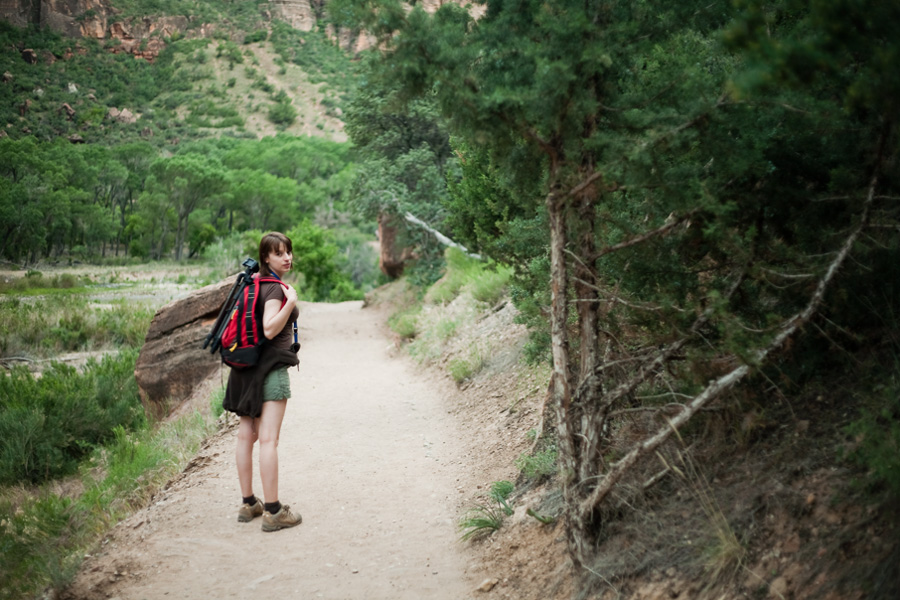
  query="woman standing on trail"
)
[{"x": 259, "y": 394}]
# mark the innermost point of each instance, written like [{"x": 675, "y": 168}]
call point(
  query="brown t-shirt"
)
[{"x": 275, "y": 291}]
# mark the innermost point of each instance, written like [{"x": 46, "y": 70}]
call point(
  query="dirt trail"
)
[{"x": 369, "y": 456}]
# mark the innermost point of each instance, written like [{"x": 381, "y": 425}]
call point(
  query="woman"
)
[{"x": 259, "y": 395}]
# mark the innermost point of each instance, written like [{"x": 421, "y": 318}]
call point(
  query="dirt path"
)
[{"x": 369, "y": 456}]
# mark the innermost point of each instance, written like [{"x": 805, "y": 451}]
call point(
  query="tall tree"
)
[{"x": 187, "y": 181}]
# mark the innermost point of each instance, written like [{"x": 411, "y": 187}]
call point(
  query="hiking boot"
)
[
  {"x": 283, "y": 519},
  {"x": 248, "y": 512}
]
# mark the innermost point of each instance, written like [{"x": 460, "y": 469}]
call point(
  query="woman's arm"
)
[{"x": 275, "y": 316}]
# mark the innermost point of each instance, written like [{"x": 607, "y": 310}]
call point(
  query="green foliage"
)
[
  {"x": 877, "y": 439},
  {"x": 484, "y": 519},
  {"x": 319, "y": 57},
  {"x": 215, "y": 402},
  {"x": 283, "y": 114},
  {"x": 111, "y": 197},
  {"x": 463, "y": 368},
  {"x": 485, "y": 282},
  {"x": 481, "y": 521},
  {"x": 46, "y": 327},
  {"x": 50, "y": 423},
  {"x": 500, "y": 492},
  {"x": 542, "y": 463},
  {"x": 260, "y": 35},
  {"x": 403, "y": 322},
  {"x": 45, "y": 536},
  {"x": 316, "y": 258}
]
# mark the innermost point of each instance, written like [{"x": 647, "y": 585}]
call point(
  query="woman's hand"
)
[
  {"x": 276, "y": 315},
  {"x": 290, "y": 295}
]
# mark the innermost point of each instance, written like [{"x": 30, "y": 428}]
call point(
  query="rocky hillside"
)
[{"x": 142, "y": 35}]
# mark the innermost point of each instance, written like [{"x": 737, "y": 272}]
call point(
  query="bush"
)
[
  {"x": 260, "y": 35},
  {"x": 539, "y": 464},
  {"x": 487, "y": 283},
  {"x": 49, "y": 423},
  {"x": 403, "y": 323},
  {"x": 282, "y": 114},
  {"x": 878, "y": 434}
]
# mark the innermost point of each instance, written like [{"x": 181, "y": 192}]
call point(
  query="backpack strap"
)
[{"x": 275, "y": 279}]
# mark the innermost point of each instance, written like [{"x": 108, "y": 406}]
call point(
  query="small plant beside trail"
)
[
  {"x": 484, "y": 519},
  {"x": 542, "y": 463},
  {"x": 724, "y": 553},
  {"x": 462, "y": 369},
  {"x": 485, "y": 282}
]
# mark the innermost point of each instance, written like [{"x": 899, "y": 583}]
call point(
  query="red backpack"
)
[{"x": 242, "y": 339}]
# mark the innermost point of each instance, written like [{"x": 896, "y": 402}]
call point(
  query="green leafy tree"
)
[
  {"x": 406, "y": 157},
  {"x": 187, "y": 182},
  {"x": 316, "y": 257}
]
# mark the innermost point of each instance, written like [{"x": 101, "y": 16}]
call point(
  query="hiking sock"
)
[
  {"x": 273, "y": 507},
  {"x": 251, "y": 500}
]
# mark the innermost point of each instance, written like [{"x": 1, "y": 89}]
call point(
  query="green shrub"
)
[
  {"x": 485, "y": 282},
  {"x": 69, "y": 323},
  {"x": 481, "y": 521},
  {"x": 283, "y": 114},
  {"x": 500, "y": 492},
  {"x": 49, "y": 423},
  {"x": 43, "y": 537},
  {"x": 878, "y": 433},
  {"x": 260, "y": 35},
  {"x": 484, "y": 519},
  {"x": 461, "y": 369},
  {"x": 403, "y": 323},
  {"x": 489, "y": 285},
  {"x": 539, "y": 464}
]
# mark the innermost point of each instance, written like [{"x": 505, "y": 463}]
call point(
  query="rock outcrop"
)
[
  {"x": 298, "y": 13},
  {"x": 393, "y": 256},
  {"x": 172, "y": 361}
]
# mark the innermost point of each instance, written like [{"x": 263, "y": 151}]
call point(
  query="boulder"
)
[
  {"x": 122, "y": 116},
  {"x": 172, "y": 361}
]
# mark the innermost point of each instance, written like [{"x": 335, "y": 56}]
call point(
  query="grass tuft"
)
[{"x": 484, "y": 519}]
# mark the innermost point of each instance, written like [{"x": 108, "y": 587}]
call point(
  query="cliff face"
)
[
  {"x": 91, "y": 18},
  {"x": 298, "y": 13},
  {"x": 74, "y": 18}
]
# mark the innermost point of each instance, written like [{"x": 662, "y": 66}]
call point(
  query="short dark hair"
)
[{"x": 272, "y": 242}]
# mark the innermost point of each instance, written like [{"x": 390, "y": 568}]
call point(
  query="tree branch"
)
[
  {"x": 725, "y": 382},
  {"x": 440, "y": 236}
]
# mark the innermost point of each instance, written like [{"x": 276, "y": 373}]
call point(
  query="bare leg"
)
[
  {"x": 269, "y": 430},
  {"x": 247, "y": 435}
]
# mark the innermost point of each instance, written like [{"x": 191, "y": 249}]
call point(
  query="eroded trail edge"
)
[{"x": 368, "y": 455}]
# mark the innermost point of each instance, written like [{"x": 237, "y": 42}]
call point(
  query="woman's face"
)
[{"x": 280, "y": 261}]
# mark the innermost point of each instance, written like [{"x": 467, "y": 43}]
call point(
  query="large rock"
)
[{"x": 171, "y": 362}]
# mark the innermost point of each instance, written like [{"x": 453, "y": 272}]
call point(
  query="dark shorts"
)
[{"x": 277, "y": 385}]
